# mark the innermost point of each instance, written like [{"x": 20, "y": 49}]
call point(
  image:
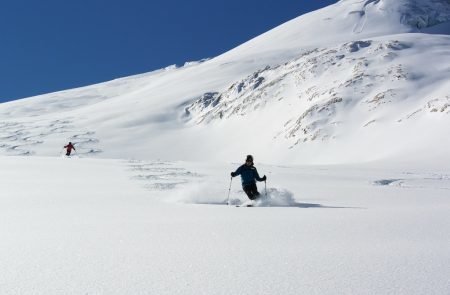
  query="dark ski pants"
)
[
  {"x": 251, "y": 190},
  {"x": 68, "y": 153}
]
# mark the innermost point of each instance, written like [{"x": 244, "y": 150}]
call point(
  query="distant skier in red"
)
[{"x": 69, "y": 148}]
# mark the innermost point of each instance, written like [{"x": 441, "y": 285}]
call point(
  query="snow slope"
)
[
  {"x": 91, "y": 226},
  {"x": 353, "y": 82},
  {"x": 360, "y": 87}
]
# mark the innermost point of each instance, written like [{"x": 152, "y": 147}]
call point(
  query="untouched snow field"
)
[{"x": 90, "y": 226}]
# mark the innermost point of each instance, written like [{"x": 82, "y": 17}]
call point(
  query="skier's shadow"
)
[
  {"x": 311, "y": 205},
  {"x": 290, "y": 205}
]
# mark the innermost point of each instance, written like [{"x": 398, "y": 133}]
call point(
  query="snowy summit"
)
[{"x": 345, "y": 109}]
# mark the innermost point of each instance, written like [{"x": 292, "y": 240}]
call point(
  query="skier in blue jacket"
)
[{"x": 249, "y": 175}]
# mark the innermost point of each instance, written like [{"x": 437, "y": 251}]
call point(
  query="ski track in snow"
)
[
  {"x": 417, "y": 181},
  {"x": 160, "y": 175},
  {"x": 198, "y": 188},
  {"x": 191, "y": 187},
  {"x": 187, "y": 187},
  {"x": 84, "y": 226},
  {"x": 274, "y": 197},
  {"x": 21, "y": 138}
]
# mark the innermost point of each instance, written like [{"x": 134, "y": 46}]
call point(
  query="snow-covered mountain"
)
[
  {"x": 356, "y": 81},
  {"x": 351, "y": 83}
]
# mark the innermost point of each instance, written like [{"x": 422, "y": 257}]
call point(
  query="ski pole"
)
[
  {"x": 265, "y": 187},
  {"x": 229, "y": 190}
]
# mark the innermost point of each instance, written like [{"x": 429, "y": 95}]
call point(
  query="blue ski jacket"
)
[{"x": 248, "y": 174}]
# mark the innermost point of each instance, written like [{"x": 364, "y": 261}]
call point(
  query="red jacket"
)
[{"x": 69, "y": 147}]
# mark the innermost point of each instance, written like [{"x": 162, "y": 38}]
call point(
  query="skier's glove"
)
[
  {"x": 264, "y": 178},
  {"x": 233, "y": 174}
]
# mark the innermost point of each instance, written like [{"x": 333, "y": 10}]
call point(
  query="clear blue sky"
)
[{"x": 51, "y": 45}]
